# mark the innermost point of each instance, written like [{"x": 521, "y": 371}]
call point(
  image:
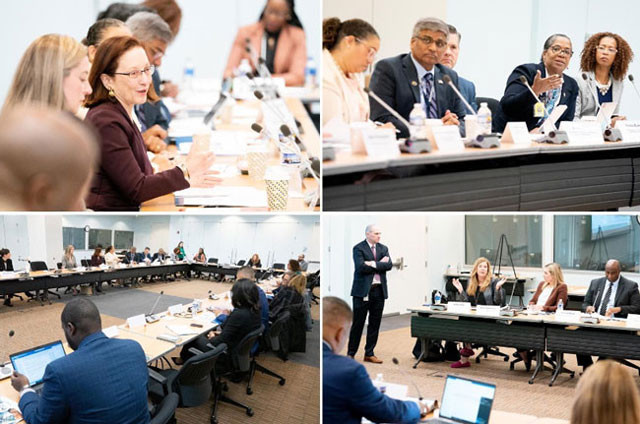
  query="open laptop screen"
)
[
  {"x": 467, "y": 401},
  {"x": 33, "y": 362}
]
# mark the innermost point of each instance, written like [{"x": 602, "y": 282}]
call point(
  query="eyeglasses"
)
[
  {"x": 607, "y": 49},
  {"x": 149, "y": 70},
  {"x": 441, "y": 44},
  {"x": 558, "y": 49},
  {"x": 371, "y": 55}
]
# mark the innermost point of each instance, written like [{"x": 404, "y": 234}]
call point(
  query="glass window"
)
[
  {"x": 73, "y": 236},
  {"x": 99, "y": 237},
  {"x": 523, "y": 234},
  {"x": 588, "y": 241},
  {"x": 123, "y": 239}
]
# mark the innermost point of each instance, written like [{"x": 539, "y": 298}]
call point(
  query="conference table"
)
[
  {"x": 513, "y": 177},
  {"x": 309, "y": 137},
  {"x": 616, "y": 338}
]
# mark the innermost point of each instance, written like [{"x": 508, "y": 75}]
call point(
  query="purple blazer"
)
[{"x": 125, "y": 178}]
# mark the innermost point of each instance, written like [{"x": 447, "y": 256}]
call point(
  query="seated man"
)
[
  {"x": 103, "y": 381},
  {"x": 404, "y": 80},
  {"x": 612, "y": 295},
  {"x": 347, "y": 391},
  {"x": 450, "y": 58}
]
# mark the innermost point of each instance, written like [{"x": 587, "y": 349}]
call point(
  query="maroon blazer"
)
[
  {"x": 125, "y": 178},
  {"x": 560, "y": 292}
]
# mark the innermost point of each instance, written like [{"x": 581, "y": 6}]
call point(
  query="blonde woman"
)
[
  {"x": 482, "y": 289},
  {"x": 53, "y": 73},
  {"x": 606, "y": 393},
  {"x": 69, "y": 262}
]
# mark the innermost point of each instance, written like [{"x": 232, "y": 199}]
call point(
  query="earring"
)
[{"x": 111, "y": 93}]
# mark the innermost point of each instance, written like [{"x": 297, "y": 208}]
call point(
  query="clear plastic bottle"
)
[
  {"x": 418, "y": 122},
  {"x": 380, "y": 383},
  {"x": 310, "y": 73},
  {"x": 560, "y": 306},
  {"x": 484, "y": 119},
  {"x": 437, "y": 298}
]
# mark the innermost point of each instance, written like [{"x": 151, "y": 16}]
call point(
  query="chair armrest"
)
[
  {"x": 154, "y": 375},
  {"x": 195, "y": 351}
]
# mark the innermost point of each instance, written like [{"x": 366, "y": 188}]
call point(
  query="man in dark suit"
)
[
  {"x": 103, "y": 381},
  {"x": 371, "y": 261},
  {"x": 347, "y": 391},
  {"x": 404, "y": 80},
  {"x": 547, "y": 80},
  {"x": 612, "y": 295},
  {"x": 450, "y": 58}
]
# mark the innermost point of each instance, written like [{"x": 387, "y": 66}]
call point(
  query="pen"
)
[{"x": 379, "y": 124}]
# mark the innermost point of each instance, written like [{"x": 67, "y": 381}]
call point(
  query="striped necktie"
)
[{"x": 429, "y": 97}]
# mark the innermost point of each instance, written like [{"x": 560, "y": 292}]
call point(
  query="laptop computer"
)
[
  {"x": 465, "y": 401},
  {"x": 34, "y": 361}
]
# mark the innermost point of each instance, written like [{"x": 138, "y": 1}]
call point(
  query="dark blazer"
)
[
  {"x": 517, "y": 102},
  {"x": 137, "y": 257},
  {"x": 492, "y": 297},
  {"x": 241, "y": 321},
  {"x": 104, "y": 381},
  {"x": 97, "y": 260},
  {"x": 151, "y": 114},
  {"x": 125, "y": 178},
  {"x": 627, "y": 296},
  {"x": 468, "y": 91},
  {"x": 158, "y": 256},
  {"x": 559, "y": 292},
  {"x": 6, "y": 265},
  {"x": 348, "y": 395},
  {"x": 395, "y": 80},
  {"x": 257, "y": 265},
  {"x": 363, "y": 274}
]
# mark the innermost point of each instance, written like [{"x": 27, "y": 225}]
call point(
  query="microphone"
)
[
  {"x": 384, "y": 104},
  {"x": 215, "y": 109},
  {"x": 260, "y": 96},
  {"x": 6, "y": 370},
  {"x": 634, "y": 85},
  {"x": 396, "y": 362},
  {"x": 447, "y": 79},
  {"x": 523, "y": 80},
  {"x": 286, "y": 131},
  {"x": 591, "y": 88},
  {"x": 150, "y": 318}
]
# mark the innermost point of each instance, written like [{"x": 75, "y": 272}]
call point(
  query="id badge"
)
[{"x": 538, "y": 110}]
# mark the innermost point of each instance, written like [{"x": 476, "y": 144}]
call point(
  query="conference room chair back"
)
[
  {"x": 38, "y": 266},
  {"x": 213, "y": 260},
  {"x": 313, "y": 281},
  {"x": 165, "y": 412},
  {"x": 85, "y": 262},
  {"x": 276, "y": 328},
  {"x": 241, "y": 354},
  {"x": 492, "y": 104},
  {"x": 278, "y": 266},
  {"x": 59, "y": 265},
  {"x": 241, "y": 262}
]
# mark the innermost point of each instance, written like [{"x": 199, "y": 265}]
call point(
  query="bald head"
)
[
  {"x": 47, "y": 160},
  {"x": 80, "y": 318},
  {"x": 372, "y": 233},
  {"x": 246, "y": 272},
  {"x": 336, "y": 322},
  {"x": 612, "y": 270}
]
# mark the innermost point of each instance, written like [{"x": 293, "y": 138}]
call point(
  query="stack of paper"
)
[{"x": 225, "y": 196}]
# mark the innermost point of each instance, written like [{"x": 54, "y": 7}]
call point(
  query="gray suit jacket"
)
[{"x": 586, "y": 104}]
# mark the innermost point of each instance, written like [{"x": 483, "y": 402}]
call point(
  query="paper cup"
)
[
  {"x": 471, "y": 126},
  {"x": 277, "y": 182},
  {"x": 257, "y": 157}
]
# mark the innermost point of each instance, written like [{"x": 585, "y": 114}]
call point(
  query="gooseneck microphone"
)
[
  {"x": 592, "y": 89},
  {"x": 396, "y": 362},
  {"x": 216, "y": 107},
  {"x": 447, "y": 79},
  {"x": 523, "y": 80},
  {"x": 5, "y": 370},
  {"x": 384, "y": 104},
  {"x": 634, "y": 85}
]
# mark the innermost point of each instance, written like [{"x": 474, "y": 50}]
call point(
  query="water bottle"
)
[
  {"x": 560, "y": 306},
  {"x": 381, "y": 384},
  {"x": 484, "y": 119},
  {"x": 418, "y": 122},
  {"x": 189, "y": 72},
  {"x": 244, "y": 68},
  {"x": 310, "y": 72},
  {"x": 437, "y": 298}
]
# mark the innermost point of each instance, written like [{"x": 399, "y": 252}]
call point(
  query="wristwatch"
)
[{"x": 185, "y": 171}]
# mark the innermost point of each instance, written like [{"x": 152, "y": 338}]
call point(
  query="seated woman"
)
[
  {"x": 349, "y": 47},
  {"x": 96, "y": 260},
  {"x": 254, "y": 262},
  {"x": 110, "y": 257},
  {"x": 200, "y": 256},
  {"x": 550, "y": 291},
  {"x": 551, "y": 85},
  {"x": 278, "y": 39},
  {"x": 121, "y": 78},
  {"x": 244, "y": 319},
  {"x": 69, "y": 262},
  {"x": 605, "y": 59},
  {"x": 284, "y": 281},
  {"x": 6, "y": 264},
  {"x": 482, "y": 289}
]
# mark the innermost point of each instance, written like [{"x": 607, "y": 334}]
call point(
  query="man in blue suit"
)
[
  {"x": 407, "y": 79},
  {"x": 369, "y": 290},
  {"x": 347, "y": 391},
  {"x": 103, "y": 381},
  {"x": 450, "y": 58}
]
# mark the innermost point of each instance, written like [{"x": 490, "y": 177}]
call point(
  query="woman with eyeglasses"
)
[
  {"x": 121, "y": 78},
  {"x": 349, "y": 47},
  {"x": 605, "y": 60},
  {"x": 552, "y": 88},
  {"x": 277, "y": 38}
]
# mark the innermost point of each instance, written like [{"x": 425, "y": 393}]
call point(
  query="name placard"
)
[
  {"x": 111, "y": 332},
  {"x": 489, "y": 310},
  {"x": 459, "y": 307},
  {"x": 136, "y": 321},
  {"x": 568, "y": 316},
  {"x": 633, "y": 321},
  {"x": 176, "y": 309},
  {"x": 380, "y": 142},
  {"x": 447, "y": 138},
  {"x": 583, "y": 132},
  {"x": 516, "y": 133},
  {"x": 630, "y": 131}
]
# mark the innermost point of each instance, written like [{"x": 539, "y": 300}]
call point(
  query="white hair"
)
[{"x": 147, "y": 26}]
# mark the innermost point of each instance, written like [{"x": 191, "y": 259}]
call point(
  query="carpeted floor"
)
[
  {"x": 297, "y": 401},
  {"x": 513, "y": 393}
]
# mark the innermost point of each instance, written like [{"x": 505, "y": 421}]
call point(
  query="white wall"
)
[
  {"x": 442, "y": 245},
  {"x": 501, "y": 34},
  {"x": 207, "y": 32}
]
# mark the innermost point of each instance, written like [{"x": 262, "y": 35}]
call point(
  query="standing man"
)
[
  {"x": 611, "y": 295},
  {"x": 417, "y": 77},
  {"x": 371, "y": 261},
  {"x": 450, "y": 58},
  {"x": 304, "y": 265}
]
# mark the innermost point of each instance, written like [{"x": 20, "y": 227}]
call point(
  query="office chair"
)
[
  {"x": 254, "y": 365},
  {"x": 165, "y": 412},
  {"x": 489, "y": 350},
  {"x": 59, "y": 265},
  {"x": 313, "y": 281},
  {"x": 241, "y": 262},
  {"x": 244, "y": 363},
  {"x": 212, "y": 261},
  {"x": 42, "y": 266},
  {"x": 85, "y": 263},
  {"x": 194, "y": 382},
  {"x": 279, "y": 266}
]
